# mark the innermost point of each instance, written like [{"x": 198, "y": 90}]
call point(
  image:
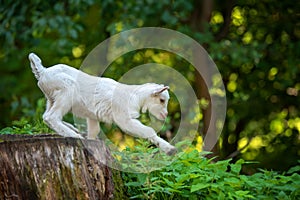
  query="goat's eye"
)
[{"x": 162, "y": 100}]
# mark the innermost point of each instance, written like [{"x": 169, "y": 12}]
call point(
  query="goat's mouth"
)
[{"x": 162, "y": 116}]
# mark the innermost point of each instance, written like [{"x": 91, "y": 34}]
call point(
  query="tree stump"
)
[{"x": 53, "y": 167}]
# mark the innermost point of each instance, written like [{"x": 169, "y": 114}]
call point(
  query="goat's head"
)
[{"x": 157, "y": 102}]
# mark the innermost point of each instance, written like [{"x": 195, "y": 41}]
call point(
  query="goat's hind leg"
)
[
  {"x": 48, "y": 108},
  {"x": 53, "y": 117},
  {"x": 71, "y": 126}
]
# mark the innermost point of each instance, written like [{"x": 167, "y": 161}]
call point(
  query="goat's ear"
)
[{"x": 160, "y": 90}]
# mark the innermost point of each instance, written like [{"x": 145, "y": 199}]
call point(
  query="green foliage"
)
[
  {"x": 255, "y": 60},
  {"x": 192, "y": 176},
  {"x": 255, "y": 44},
  {"x": 30, "y": 123}
]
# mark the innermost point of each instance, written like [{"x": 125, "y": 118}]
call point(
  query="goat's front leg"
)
[
  {"x": 93, "y": 128},
  {"x": 164, "y": 145},
  {"x": 137, "y": 129}
]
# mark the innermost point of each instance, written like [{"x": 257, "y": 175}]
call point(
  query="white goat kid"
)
[{"x": 99, "y": 99}]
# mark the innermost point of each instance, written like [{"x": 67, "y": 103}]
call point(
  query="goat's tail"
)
[{"x": 36, "y": 65}]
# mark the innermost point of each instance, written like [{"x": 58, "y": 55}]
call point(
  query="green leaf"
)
[
  {"x": 199, "y": 186},
  {"x": 242, "y": 193},
  {"x": 142, "y": 178},
  {"x": 232, "y": 181},
  {"x": 296, "y": 178},
  {"x": 7, "y": 130},
  {"x": 134, "y": 184},
  {"x": 73, "y": 33},
  {"x": 294, "y": 169},
  {"x": 168, "y": 18},
  {"x": 236, "y": 167},
  {"x": 282, "y": 195}
]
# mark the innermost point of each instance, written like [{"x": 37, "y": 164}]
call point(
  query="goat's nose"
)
[{"x": 165, "y": 114}]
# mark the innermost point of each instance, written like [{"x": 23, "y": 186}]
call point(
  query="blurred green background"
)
[{"x": 254, "y": 43}]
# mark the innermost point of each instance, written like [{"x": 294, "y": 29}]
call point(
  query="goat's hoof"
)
[
  {"x": 77, "y": 136},
  {"x": 172, "y": 151},
  {"x": 80, "y": 136}
]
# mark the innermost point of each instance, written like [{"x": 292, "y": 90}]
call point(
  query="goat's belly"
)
[
  {"x": 83, "y": 112},
  {"x": 102, "y": 114}
]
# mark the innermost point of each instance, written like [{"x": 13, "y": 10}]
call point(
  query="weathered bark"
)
[{"x": 52, "y": 167}]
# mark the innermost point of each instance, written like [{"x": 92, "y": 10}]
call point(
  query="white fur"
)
[{"x": 99, "y": 99}]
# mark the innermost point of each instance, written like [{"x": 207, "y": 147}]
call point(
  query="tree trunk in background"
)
[
  {"x": 51, "y": 167},
  {"x": 200, "y": 17}
]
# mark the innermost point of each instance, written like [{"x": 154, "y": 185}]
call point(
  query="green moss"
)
[{"x": 119, "y": 191}]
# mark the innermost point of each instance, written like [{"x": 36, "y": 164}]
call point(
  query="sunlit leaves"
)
[
  {"x": 265, "y": 136},
  {"x": 272, "y": 73},
  {"x": 256, "y": 142},
  {"x": 277, "y": 126},
  {"x": 78, "y": 51},
  {"x": 232, "y": 84},
  {"x": 294, "y": 124},
  {"x": 217, "y": 18},
  {"x": 238, "y": 17},
  {"x": 247, "y": 37},
  {"x": 260, "y": 52}
]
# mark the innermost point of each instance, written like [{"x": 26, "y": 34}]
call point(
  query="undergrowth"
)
[
  {"x": 31, "y": 121},
  {"x": 192, "y": 176}
]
